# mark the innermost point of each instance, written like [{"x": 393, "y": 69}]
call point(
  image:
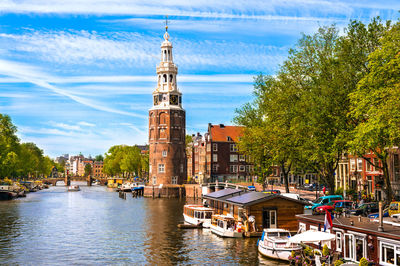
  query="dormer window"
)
[{"x": 228, "y": 138}]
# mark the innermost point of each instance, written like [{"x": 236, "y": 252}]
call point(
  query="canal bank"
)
[{"x": 95, "y": 226}]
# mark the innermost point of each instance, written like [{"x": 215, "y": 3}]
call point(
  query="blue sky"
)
[{"x": 77, "y": 76}]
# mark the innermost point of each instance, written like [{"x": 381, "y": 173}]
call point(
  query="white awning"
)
[{"x": 311, "y": 237}]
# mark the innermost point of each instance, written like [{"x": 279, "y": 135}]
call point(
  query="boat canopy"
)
[{"x": 311, "y": 237}]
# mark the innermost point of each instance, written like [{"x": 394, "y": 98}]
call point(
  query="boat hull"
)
[
  {"x": 279, "y": 254},
  {"x": 203, "y": 222},
  {"x": 224, "y": 233},
  {"x": 7, "y": 195}
]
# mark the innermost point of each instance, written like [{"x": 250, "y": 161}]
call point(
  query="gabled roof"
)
[
  {"x": 251, "y": 198},
  {"x": 221, "y": 132},
  {"x": 223, "y": 193}
]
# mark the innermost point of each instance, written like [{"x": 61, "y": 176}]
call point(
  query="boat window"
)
[
  {"x": 202, "y": 215},
  {"x": 273, "y": 234},
  {"x": 284, "y": 234},
  {"x": 208, "y": 215}
]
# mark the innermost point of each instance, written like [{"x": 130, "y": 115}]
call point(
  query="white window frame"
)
[
  {"x": 313, "y": 228},
  {"x": 161, "y": 168},
  {"x": 233, "y": 168},
  {"x": 359, "y": 161},
  {"x": 339, "y": 242},
  {"x": 174, "y": 180},
  {"x": 233, "y": 158},
  {"x": 302, "y": 227},
  {"x": 215, "y": 147},
  {"x": 233, "y": 148},
  {"x": 351, "y": 249},
  {"x": 353, "y": 165},
  {"x": 242, "y": 158},
  {"x": 387, "y": 242},
  {"x": 242, "y": 168},
  {"x": 164, "y": 153},
  {"x": 215, "y": 157},
  {"x": 215, "y": 167},
  {"x": 154, "y": 180}
]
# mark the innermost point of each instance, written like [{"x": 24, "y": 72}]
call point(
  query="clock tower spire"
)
[{"x": 167, "y": 122}]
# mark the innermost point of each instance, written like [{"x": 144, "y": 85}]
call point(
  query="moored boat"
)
[
  {"x": 198, "y": 215},
  {"x": 74, "y": 188},
  {"x": 126, "y": 187},
  {"x": 274, "y": 244},
  {"x": 225, "y": 226},
  {"x": 6, "y": 193}
]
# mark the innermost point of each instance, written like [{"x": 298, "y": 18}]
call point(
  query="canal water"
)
[{"x": 95, "y": 226}]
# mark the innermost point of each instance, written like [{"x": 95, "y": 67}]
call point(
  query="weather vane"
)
[{"x": 166, "y": 23}]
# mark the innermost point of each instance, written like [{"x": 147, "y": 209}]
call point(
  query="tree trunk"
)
[{"x": 388, "y": 185}]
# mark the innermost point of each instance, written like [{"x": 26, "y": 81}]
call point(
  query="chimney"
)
[{"x": 221, "y": 125}]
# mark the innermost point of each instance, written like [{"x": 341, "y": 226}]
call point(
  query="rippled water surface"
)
[{"x": 95, "y": 226}]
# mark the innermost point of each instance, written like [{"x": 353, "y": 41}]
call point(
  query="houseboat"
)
[
  {"x": 126, "y": 187},
  {"x": 225, "y": 226},
  {"x": 274, "y": 244},
  {"x": 7, "y": 193},
  {"x": 198, "y": 215},
  {"x": 115, "y": 182},
  {"x": 257, "y": 210},
  {"x": 74, "y": 188}
]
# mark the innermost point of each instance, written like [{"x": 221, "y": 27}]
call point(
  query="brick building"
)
[
  {"x": 215, "y": 156},
  {"x": 167, "y": 159},
  {"x": 97, "y": 170}
]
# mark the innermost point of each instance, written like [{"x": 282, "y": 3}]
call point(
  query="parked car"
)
[
  {"x": 291, "y": 195},
  {"x": 251, "y": 188},
  {"x": 324, "y": 201},
  {"x": 334, "y": 206},
  {"x": 272, "y": 191},
  {"x": 365, "y": 209},
  {"x": 376, "y": 214},
  {"x": 394, "y": 208}
]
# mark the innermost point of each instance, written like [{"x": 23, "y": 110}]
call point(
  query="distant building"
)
[{"x": 215, "y": 156}]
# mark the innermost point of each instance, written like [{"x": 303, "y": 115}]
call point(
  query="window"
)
[
  {"x": 228, "y": 138},
  {"x": 242, "y": 168},
  {"x": 234, "y": 158},
  {"x": 154, "y": 180},
  {"x": 352, "y": 165},
  {"x": 233, "y": 168},
  {"x": 359, "y": 164},
  {"x": 387, "y": 254},
  {"x": 161, "y": 168},
  {"x": 302, "y": 227},
  {"x": 349, "y": 247},
  {"x": 339, "y": 241},
  {"x": 215, "y": 168},
  {"x": 149, "y": 168},
  {"x": 369, "y": 166},
  {"x": 174, "y": 180},
  {"x": 208, "y": 147},
  {"x": 215, "y": 147},
  {"x": 215, "y": 157},
  {"x": 181, "y": 167},
  {"x": 164, "y": 153},
  {"x": 376, "y": 163},
  {"x": 233, "y": 148},
  {"x": 242, "y": 158}
]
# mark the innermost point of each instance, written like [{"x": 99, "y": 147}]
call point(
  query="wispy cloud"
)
[{"x": 32, "y": 75}]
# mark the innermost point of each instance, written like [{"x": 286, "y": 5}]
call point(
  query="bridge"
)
[
  {"x": 67, "y": 180},
  {"x": 216, "y": 186}
]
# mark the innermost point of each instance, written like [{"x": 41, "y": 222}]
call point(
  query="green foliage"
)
[
  {"x": 88, "y": 169},
  {"x": 125, "y": 160},
  {"x": 99, "y": 158},
  {"x": 308, "y": 251},
  {"x": 363, "y": 262},
  {"x": 338, "y": 263},
  {"x": 325, "y": 250},
  {"x": 339, "y": 191},
  {"x": 375, "y": 104}
]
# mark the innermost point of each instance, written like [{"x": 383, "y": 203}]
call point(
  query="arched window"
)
[
  {"x": 165, "y": 55},
  {"x": 169, "y": 55},
  {"x": 165, "y": 78},
  {"x": 171, "y": 78},
  {"x": 163, "y": 118}
]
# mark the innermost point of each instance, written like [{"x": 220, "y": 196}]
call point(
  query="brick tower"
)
[{"x": 167, "y": 124}]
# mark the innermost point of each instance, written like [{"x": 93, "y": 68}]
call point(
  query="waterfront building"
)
[
  {"x": 358, "y": 237},
  {"x": 97, "y": 170},
  {"x": 268, "y": 210},
  {"x": 167, "y": 120}
]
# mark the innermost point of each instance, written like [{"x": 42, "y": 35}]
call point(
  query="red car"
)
[{"x": 333, "y": 205}]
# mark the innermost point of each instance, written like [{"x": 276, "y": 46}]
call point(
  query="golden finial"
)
[{"x": 166, "y": 23}]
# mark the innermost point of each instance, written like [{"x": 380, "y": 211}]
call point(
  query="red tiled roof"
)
[{"x": 221, "y": 133}]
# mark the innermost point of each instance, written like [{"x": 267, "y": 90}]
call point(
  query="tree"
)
[
  {"x": 131, "y": 160},
  {"x": 88, "y": 169},
  {"x": 9, "y": 145},
  {"x": 375, "y": 104},
  {"x": 99, "y": 158}
]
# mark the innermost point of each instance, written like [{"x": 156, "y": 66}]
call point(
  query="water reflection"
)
[{"x": 95, "y": 226}]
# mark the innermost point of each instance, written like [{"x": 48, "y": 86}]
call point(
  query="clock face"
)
[
  {"x": 155, "y": 99},
  {"x": 173, "y": 99}
]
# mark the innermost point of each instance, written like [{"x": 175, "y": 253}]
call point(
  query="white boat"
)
[
  {"x": 137, "y": 186},
  {"x": 126, "y": 187},
  {"x": 74, "y": 188},
  {"x": 274, "y": 244},
  {"x": 198, "y": 215},
  {"x": 225, "y": 226}
]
